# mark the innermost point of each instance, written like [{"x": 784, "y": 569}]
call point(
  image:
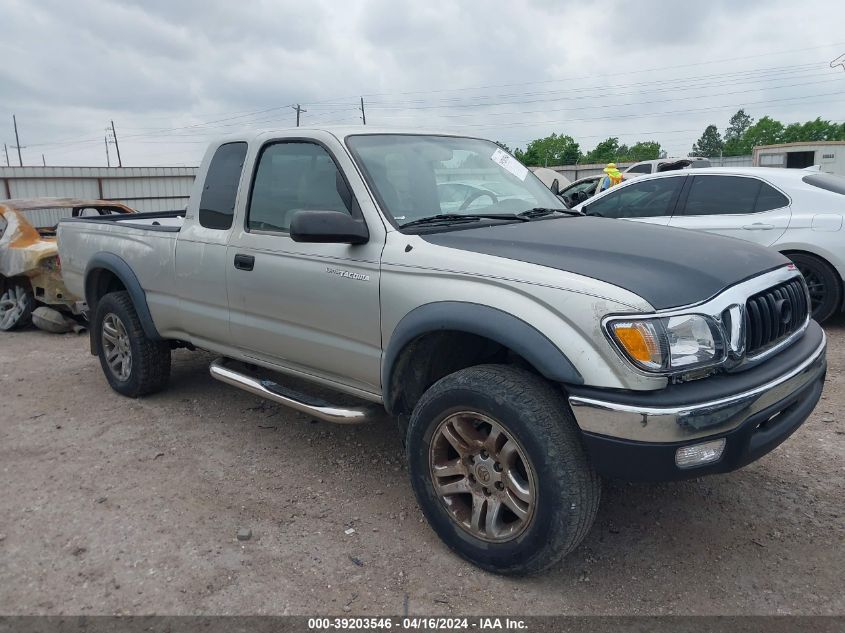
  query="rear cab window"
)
[{"x": 217, "y": 204}]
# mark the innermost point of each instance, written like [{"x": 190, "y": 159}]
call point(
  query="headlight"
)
[{"x": 669, "y": 344}]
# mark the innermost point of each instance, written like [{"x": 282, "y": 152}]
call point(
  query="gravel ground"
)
[{"x": 110, "y": 505}]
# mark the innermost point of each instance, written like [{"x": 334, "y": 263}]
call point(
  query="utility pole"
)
[
  {"x": 116, "y": 146},
  {"x": 108, "y": 159},
  {"x": 17, "y": 140},
  {"x": 6, "y": 149},
  {"x": 363, "y": 114},
  {"x": 298, "y": 109}
]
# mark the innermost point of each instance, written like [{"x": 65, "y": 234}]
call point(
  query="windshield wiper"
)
[
  {"x": 539, "y": 212},
  {"x": 447, "y": 218}
]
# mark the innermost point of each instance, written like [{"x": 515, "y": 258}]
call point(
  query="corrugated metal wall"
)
[
  {"x": 142, "y": 188},
  {"x": 732, "y": 161}
]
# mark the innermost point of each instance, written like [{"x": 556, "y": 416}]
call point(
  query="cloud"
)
[{"x": 172, "y": 75}]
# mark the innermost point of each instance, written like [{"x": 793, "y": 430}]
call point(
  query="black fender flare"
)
[
  {"x": 120, "y": 269},
  {"x": 474, "y": 318}
]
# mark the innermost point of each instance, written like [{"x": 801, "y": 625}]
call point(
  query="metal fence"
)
[
  {"x": 142, "y": 188},
  {"x": 732, "y": 161}
]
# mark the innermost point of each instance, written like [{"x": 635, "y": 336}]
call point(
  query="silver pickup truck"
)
[{"x": 524, "y": 349}]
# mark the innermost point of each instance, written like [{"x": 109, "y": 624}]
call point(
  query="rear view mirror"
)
[{"x": 328, "y": 227}]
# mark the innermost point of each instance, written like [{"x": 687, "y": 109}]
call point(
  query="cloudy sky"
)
[{"x": 173, "y": 74}]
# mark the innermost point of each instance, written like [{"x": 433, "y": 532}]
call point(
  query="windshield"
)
[{"x": 415, "y": 176}]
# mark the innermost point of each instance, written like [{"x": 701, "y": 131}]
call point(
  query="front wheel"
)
[
  {"x": 133, "y": 364},
  {"x": 498, "y": 468}
]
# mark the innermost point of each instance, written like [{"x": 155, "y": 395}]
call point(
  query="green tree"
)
[
  {"x": 604, "y": 152},
  {"x": 816, "y": 130},
  {"x": 552, "y": 150},
  {"x": 710, "y": 144},
  {"x": 644, "y": 150},
  {"x": 767, "y": 131},
  {"x": 737, "y": 126}
]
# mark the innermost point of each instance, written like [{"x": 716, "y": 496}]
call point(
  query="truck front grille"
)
[{"x": 774, "y": 314}]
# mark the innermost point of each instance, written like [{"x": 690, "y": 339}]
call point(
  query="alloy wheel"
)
[
  {"x": 118, "y": 352},
  {"x": 482, "y": 476},
  {"x": 816, "y": 286}
]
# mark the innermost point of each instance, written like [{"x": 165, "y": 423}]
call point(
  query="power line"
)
[
  {"x": 622, "y": 73},
  {"x": 622, "y": 105},
  {"x": 679, "y": 82}
]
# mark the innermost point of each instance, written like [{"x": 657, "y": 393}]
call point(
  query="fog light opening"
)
[{"x": 700, "y": 454}]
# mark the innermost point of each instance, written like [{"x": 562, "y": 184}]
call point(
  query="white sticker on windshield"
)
[{"x": 510, "y": 163}]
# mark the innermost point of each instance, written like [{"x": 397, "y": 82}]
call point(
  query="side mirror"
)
[
  {"x": 555, "y": 187},
  {"x": 328, "y": 227}
]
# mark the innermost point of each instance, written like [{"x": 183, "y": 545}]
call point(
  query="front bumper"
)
[{"x": 635, "y": 435}]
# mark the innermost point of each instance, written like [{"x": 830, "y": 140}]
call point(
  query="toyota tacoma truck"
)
[{"x": 524, "y": 349}]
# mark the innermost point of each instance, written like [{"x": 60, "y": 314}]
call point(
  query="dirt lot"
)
[{"x": 109, "y": 505}]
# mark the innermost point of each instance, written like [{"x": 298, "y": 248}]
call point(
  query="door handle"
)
[
  {"x": 758, "y": 226},
  {"x": 244, "y": 262}
]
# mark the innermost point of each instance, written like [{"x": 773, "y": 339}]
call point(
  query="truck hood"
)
[{"x": 667, "y": 267}]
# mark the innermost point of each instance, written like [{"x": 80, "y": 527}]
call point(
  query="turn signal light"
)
[{"x": 700, "y": 454}]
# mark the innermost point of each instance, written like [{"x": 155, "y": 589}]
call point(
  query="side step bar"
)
[{"x": 223, "y": 370}]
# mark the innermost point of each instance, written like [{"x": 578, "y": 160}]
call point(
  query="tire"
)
[
  {"x": 133, "y": 364},
  {"x": 16, "y": 304},
  {"x": 823, "y": 282},
  {"x": 558, "y": 491}
]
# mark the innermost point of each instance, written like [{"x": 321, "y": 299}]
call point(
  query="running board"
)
[{"x": 222, "y": 369}]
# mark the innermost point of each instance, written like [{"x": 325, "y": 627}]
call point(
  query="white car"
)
[{"x": 797, "y": 212}]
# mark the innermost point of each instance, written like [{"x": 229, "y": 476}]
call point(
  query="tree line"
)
[
  {"x": 564, "y": 150},
  {"x": 743, "y": 134},
  {"x": 740, "y": 137}
]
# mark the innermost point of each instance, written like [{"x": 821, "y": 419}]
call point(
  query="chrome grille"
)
[{"x": 774, "y": 314}]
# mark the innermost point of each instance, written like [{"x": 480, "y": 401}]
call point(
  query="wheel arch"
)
[
  {"x": 107, "y": 272},
  {"x": 453, "y": 335}
]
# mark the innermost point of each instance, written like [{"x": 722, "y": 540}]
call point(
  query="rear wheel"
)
[
  {"x": 498, "y": 468},
  {"x": 16, "y": 303},
  {"x": 133, "y": 364},
  {"x": 823, "y": 282}
]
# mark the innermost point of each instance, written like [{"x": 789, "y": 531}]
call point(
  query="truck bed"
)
[{"x": 144, "y": 242}]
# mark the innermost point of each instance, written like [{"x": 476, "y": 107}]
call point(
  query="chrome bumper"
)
[{"x": 693, "y": 421}]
